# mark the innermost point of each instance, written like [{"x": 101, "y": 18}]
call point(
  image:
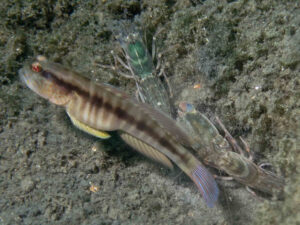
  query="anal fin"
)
[{"x": 146, "y": 149}]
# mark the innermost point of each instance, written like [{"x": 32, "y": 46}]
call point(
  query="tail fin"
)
[{"x": 206, "y": 184}]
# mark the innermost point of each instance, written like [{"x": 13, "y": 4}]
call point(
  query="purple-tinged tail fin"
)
[{"x": 206, "y": 184}]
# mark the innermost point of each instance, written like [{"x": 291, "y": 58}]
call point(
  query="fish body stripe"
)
[{"x": 110, "y": 112}]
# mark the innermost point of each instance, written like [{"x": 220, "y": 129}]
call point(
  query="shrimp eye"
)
[{"x": 36, "y": 67}]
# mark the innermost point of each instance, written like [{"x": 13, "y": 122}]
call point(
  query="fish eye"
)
[{"x": 36, "y": 67}]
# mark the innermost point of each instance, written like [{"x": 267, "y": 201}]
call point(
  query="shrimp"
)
[{"x": 215, "y": 151}]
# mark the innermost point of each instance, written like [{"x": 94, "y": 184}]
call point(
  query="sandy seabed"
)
[{"x": 245, "y": 55}]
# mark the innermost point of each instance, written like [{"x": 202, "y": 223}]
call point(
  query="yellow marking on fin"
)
[
  {"x": 146, "y": 149},
  {"x": 89, "y": 130}
]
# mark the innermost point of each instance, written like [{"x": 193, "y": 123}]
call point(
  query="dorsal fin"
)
[
  {"x": 168, "y": 124},
  {"x": 164, "y": 121}
]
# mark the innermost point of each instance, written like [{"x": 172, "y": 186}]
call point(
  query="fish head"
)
[{"x": 43, "y": 82}]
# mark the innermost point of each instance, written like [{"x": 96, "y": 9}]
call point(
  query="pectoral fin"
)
[
  {"x": 146, "y": 149},
  {"x": 88, "y": 129}
]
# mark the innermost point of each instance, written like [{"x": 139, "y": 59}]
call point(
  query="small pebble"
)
[{"x": 27, "y": 184}]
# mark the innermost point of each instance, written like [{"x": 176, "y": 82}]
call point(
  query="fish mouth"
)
[
  {"x": 27, "y": 79},
  {"x": 32, "y": 81},
  {"x": 24, "y": 77}
]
